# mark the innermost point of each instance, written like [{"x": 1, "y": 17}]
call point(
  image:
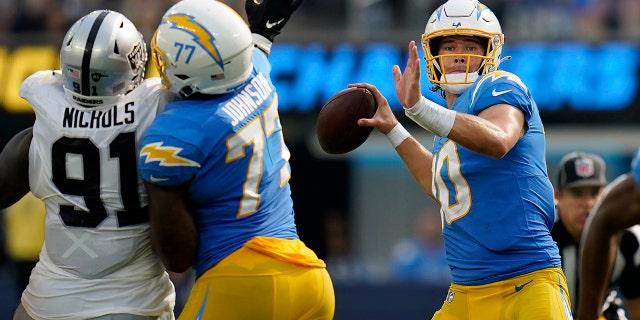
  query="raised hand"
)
[
  {"x": 268, "y": 17},
  {"x": 408, "y": 82}
]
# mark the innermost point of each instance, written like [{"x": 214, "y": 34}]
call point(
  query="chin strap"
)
[
  {"x": 461, "y": 81},
  {"x": 504, "y": 59},
  {"x": 262, "y": 43}
]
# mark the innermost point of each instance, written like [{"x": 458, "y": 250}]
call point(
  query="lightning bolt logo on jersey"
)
[
  {"x": 489, "y": 205},
  {"x": 201, "y": 36},
  {"x": 166, "y": 156}
]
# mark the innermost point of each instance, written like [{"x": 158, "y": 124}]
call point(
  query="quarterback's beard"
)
[{"x": 459, "y": 87}]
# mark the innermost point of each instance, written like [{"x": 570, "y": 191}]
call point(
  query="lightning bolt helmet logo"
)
[{"x": 200, "y": 34}]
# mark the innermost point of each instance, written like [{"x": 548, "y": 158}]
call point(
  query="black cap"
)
[{"x": 581, "y": 169}]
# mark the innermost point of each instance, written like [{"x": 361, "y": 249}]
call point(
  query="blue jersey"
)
[
  {"x": 231, "y": 152},
  {"x": 497, "y": 213},
  {"x": 635, "y": 166}
]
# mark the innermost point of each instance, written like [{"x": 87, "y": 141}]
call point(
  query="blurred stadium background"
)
[{"x": 578, "y": 57}]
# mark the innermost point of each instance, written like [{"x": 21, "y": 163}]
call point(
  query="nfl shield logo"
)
[
  {"x": 450, "y": 296},
  {"x": 584, "y": 167}
]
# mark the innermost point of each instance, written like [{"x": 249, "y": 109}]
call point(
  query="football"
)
[{"x": 337, "y": 127}]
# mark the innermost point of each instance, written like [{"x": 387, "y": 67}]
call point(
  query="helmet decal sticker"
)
[
  {"x": 136, "y": 59},
  {"x": 200, "y": 35},
  {"x": 479, "y": 9},
  {"x": 96, "y": 76},
  {"x": 439, "y": 11}
]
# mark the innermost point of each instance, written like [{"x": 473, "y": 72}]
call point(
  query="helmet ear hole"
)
[{"x": 186, "y": 92}]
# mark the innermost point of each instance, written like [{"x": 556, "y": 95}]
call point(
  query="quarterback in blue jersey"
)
[
  {"x": 216, "y": 167},
  {"x": 487, "y": 169},
  {"x": 617, "y": 210}
]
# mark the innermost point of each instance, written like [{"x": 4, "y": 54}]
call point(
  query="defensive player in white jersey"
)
[
  {"x": 96, "y": 261},
  {"x": 607, "y": 226},
  {"x": 487, "y": 170}
]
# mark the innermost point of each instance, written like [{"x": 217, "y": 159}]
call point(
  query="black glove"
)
[{"x": 268, "y": 17}]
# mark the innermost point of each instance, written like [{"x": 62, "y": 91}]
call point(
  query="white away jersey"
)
[{"x": 97, "y": 256}]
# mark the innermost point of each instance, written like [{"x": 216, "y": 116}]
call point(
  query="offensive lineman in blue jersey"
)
[
  {"x": 217, "y": 171},
  {"x": 617, "y": 210},
  {"x": 487, "y": 169}
]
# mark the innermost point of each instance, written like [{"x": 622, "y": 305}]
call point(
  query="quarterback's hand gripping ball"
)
[{"x": 337, "y": 124}]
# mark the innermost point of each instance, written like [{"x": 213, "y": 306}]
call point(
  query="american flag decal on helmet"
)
[{"x": 74, "y": 72}]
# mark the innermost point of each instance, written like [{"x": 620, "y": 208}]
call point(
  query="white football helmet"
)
[
  {"x": 102, "y": 58},
  {"x": 202, "y": 46},
  {"x": 461, "y": 17}
]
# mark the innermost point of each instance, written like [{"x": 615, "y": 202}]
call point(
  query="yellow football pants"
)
[
  {"x": 537, "y": 295},
  {"x": 249, "y": 285}
]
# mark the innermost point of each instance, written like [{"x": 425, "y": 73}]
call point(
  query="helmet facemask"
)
[
  {"x": 159, "y": 61},
  {"x": 456, "y": 83}
]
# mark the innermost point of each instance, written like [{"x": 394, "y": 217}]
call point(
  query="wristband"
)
[
  {"x": 432, "y": 116},
  {"x": 262, "y": 43},
  {"x": 397, "y": 135}
]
